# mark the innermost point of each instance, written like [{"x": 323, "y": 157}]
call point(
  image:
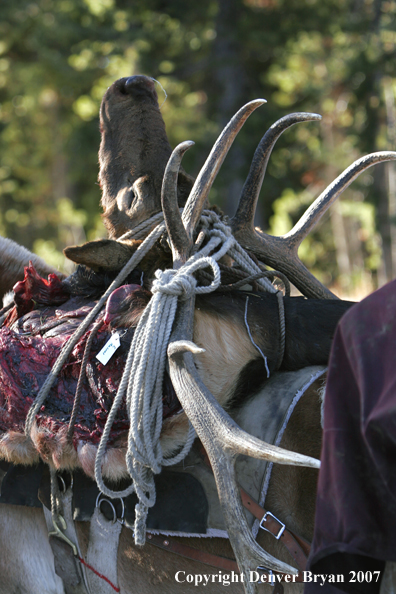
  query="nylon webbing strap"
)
[{"x": 102, "y": 554}]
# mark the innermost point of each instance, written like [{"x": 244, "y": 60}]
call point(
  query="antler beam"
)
[
  {"x": 252, "y": 186},
  {"x": 180, "y": 242},
  {"x": 281, "y": 252}
]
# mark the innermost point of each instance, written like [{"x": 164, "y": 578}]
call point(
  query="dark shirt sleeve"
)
[{"x": 355, "y": 522}]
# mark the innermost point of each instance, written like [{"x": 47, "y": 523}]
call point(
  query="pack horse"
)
[{"x": 160, "y": 407}]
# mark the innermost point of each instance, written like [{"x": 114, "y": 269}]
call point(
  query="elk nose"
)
[{"x": 136, "y": 85}]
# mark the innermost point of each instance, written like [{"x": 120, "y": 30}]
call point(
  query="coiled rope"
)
[
  {"x": 142, "y": 379},
  {"x": 144, "y": 369}
]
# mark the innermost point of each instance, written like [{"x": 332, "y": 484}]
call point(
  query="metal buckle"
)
[
  {"x": 100, "y": 500},
  {"x": 281, "y": 530},
  {"x": 62, "y": 484},
  {"x": 63, "y": 487}
]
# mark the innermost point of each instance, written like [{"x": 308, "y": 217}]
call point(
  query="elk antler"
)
[
  {"x": 223, "y": 441},
  {"x": 207, "y": 175},
  {"x": 220, "y": 435},
  {"x": 180, "y": 242},
  {"x": 254, "y": 181},
  {"x": 281, "y": 252}
]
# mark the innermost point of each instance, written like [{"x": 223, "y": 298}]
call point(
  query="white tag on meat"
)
[{"x": 109, "y": 349}]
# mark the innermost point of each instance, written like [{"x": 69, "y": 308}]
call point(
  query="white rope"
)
[
  {"x": 142, "y": 378},
  {"x": 142, "y": 381},
  {"x": 235, "y": 250},
  {"x": 141, "y": 229}
]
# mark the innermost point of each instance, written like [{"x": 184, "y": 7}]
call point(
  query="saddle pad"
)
[
  {"x": 181, "y": 502},
  {"x": 21, "y": 484}
]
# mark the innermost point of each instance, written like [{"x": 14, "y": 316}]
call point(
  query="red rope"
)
[{"x": 103, "y": 577}]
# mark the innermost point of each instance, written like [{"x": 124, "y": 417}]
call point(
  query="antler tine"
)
[
  {"x": 223, "y": 441},
  {"x": 207, "y": 175},
  {"x": 251, "y": 189},
  {"x": 281, "y": 252},
  {"x": 234, "y": 439},
  {"x": 314, "y": 213},
  {"x": 180, "y": 242}
]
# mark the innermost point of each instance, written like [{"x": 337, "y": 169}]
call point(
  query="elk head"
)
[{"x": 133, "y": 154}]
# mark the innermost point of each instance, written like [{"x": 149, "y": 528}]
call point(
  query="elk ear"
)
[
  {"x": 185, "y": 183},
  {"x": 103, "y": 254}
]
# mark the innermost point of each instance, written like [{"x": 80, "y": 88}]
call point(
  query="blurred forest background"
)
[{"x": 333, "y": 57}]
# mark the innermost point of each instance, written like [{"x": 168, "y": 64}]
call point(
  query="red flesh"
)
[{"x": 29, "y": 348}]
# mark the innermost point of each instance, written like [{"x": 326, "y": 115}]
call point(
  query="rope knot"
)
[
  {"x": 177, "y": 283},
  {"x": 208, "y": 218},
  {"x": 223, "y": 227}
]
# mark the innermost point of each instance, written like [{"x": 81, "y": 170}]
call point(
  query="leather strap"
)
[
  {"x": 67, "y": 567},
  {"x": 82, "y": 576},
  {"x": 296, "y": 545},
  {"x": 167, "y": 544}
]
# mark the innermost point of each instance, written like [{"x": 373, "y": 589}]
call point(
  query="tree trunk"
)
[
  {"x": 336, "y": 218},
  {"x": 390, "y": 168},
  {"x": 230, "y": 87}
]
